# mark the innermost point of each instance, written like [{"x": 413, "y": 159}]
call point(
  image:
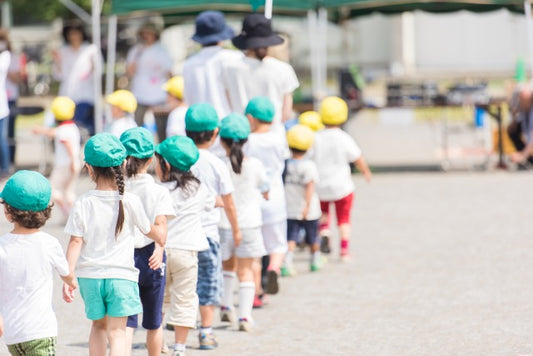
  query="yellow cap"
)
[
  {"x": 63, "y": 108},
  {"x": 333, "y": 111},
  {"x": 123, "y": 99},
  {"x": 312, "y": 120},
  {"x": 174, "y": 86},
  {"x": 300, "y": 137}
]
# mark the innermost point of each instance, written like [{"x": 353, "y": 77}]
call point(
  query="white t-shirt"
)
[
  {"x": 214, "y": 173},
  {"x": 76, "y": 72},
  {"x": 202, "y": 73},
  {"x": 94, "y": 217},
  {"x": 249, "y": 77},
  {"x": 249, "y": 184},
  {"x": 332, "y": 152},
  {"x": 298, "y": 174},
  {"x": 272, "y": 150},
  {"x": 5, "y": 59},
  {"x": 153, "y": 65},
  {"x": 12, "y": 88},
  {"x": 118, "y": 126},
  {"x": 155, "y": 200},
  {"x": 66, "y": 133},
  {"x": 176, "y": 121},
  {"x": 185, "y": 231},
  {"x": 27, "y": 264}
]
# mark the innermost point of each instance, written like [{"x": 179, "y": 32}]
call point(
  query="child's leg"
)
[
  {"x": 325, "y": 219},
  {"x": 129, "y": 334},
  {"x": 311, "y": 238},
  {"x": 116, "y": 332},
  {"x": 246, "y": 288},
  {"x": 256, "y": 268},
  {"x": 293, "y": 231},
  {"x": 98, "y": 338},
  {"x": 209, "y": 275},
  {"x": 343, "y": 209},
  {"x": 228, "y": 270},
  {"x": 154, "y": 341}
]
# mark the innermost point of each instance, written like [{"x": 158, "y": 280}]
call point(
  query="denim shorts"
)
[
  {"x": 310, "y": 228},
  {"x": 210, "y": 280}
]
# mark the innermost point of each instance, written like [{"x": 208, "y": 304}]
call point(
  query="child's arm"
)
[
  {"x": 44, "y": 131},
  {"x": 158, "y": 231},
  {"x": 231, "y": 213},
  {"x": 1, "y": 326},
  {"x": 156, "y": 260},
  {"x": 309, "y": 190},
  {"x": 70, "y": 151},
  {"x": 73, "y": 253},
  {"x": 361, "y": 165}
]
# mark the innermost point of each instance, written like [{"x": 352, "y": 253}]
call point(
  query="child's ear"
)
[
  {"x": 167, "y": 165},
  {"x": 8, "y": 216}
]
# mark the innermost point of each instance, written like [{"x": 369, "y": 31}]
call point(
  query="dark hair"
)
[
  {"x": 200, "y": 137},
  {"x": 117, "y": 174},
  {"x": 260, "y": 53},
  {"x": 184, "y": 180},
  {"x": 4, "y": 36},
  {"x": 295, "y": 150},
  {"x": 210, "y": 44},
  {"x": 235, "y": 153},
  {"x": 134, "y": 165},
  {"x": 75, "y": 25},
  {"x": 29, "y": 219}
]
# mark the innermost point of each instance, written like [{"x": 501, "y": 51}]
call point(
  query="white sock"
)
[
  {"x": 229, "y": 287},
  {"x": 246, "y": 300},
  {"x": 315, "y": 257},
  {"x": 288, "y": 259},
  {"x": 208, "y": 330},
  {"x": 180, "y": 347}
]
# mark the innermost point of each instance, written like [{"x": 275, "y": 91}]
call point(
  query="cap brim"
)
[
  {"x": 225, "y": 34},
  {"x": 244, "y": 42}
]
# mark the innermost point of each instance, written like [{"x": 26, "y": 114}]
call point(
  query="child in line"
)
[
  {"x": 312, "y": 120},
  {"x": 28, "y": 258},
  {"x": 303, "y": 206},
  {"x": 123, "y": 105},
  {"x": 332, "y": 152},
  {"x": 271, "y": 149},
  {"x": 149, "y": 256},
  {"x": 176, "y": 118},
  {"x": 102, "y": 227},
  {"x": 186, "y": 237},
  {"x": 250, "y": 181},
  {"x": 202, "y": 126},
  {"x": 66, "y": 137}
]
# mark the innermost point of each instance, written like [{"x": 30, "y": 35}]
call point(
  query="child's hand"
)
[
  {"x": 237, "y": 238},
  {"x": 156, "y": 259},
  {"x": 68, "y": 291},
  {"x": 305, "y": 212},
  {"x": 368, "y": 176}
]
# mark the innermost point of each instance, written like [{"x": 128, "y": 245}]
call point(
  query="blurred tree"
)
[{"x": 32, "y": 11}]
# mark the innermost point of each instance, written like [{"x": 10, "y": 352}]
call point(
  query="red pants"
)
[{"x": 343, "y": 208}]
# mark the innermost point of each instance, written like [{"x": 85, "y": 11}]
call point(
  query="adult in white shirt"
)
[
  {"x": 149, "y": 66},
  {"x": 14, "y": 77},
  {"x": 5, "y": 58},
  {"x": 257, "y": 74},
  {"x": 74, "y": 66}
]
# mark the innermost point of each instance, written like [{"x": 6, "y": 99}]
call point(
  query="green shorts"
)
[
  {"x": 39, "y": 347},
  {"x": 113, "y": 297}
]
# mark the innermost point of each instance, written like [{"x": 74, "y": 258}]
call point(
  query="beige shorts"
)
[
  {"x": 181, "y": 300},
  {"x": 63, "y": 183}
]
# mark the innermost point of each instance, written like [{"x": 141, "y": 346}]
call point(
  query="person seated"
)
[{"x": 520, "y": 130}]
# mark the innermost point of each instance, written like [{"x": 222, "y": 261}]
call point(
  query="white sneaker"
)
[{"x": 227, "y": 315}]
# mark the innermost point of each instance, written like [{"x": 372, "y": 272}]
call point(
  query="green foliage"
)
[{"x": 39, "y": 11}]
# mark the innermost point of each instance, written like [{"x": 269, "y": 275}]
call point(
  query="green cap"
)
[
  {"x": 261, "y": 108},
  {"x": 104, "y": 150},
  {"x": 28, "y": 191},
  {"x": 235, "y": 127},
  {"x": 139, "y": 142},
  {"x": 179, "y": 151},
  {"x": 201, "y": 117}
]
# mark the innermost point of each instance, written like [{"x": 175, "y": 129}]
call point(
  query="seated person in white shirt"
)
[
  {"x": 176, "y": 119},
  {"x": 123, "y": 105}
]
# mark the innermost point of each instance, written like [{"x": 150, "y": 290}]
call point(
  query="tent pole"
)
[
  {"x": 268, "y": 8},
  {"x": 97, "y": 72},
  {"x": 323, "y": 50},
  {"x": 111, "y": 58},
  {"x": 529, "y": 28},
  {"x": 312, "y": 25}
]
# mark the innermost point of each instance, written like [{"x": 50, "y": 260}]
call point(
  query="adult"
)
[
  {"x": 14, "y": 78},
  {"x": 74, "y": 67},
  {"x": 5, "y": 58},
  {"x": 149, "y": 66},
  {"x": 521, "y": 128},
  {"x": 258, "y": 74}
]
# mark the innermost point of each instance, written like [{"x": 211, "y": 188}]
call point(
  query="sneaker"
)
[
  {"x": 317, "y": 266},
  {"x": 178, "y": 353},
  {"x": 346, "y": 258},
  {"x": 207, "y": 341},
  {"x": 164, "y": 348},
  {"x": 324, "y": 244},
  {"x": 245, "y": 325},
  {"x": 288, "y": 272},
  {"x": 227, "y": 315},
  {"x": 272, "y": 286},
  {"x": 258, "y": 301}
]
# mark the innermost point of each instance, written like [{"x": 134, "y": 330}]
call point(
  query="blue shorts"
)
[
  {"x": 110, "y": 296},
  {"x": 151, "y": 289},
  {"x": 209, "y": 287},
  {"x": 309, "y": 226}
]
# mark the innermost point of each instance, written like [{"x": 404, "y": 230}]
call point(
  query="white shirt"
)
[
  {"x": 153, "y": 65},
  {"x": 202, "y": 73},
  {"x": 212, "y": 172},
  {"x": 12, "y": 88},
  {"x": 155, "y": 200},
  {"x": 94, "y": 217},
  {"x": 185, "y": 231},
  {"x": 176, "y": 121},
  {"x": 27, "y": 264},
  {"x": 298, "y": 174},
  {"x": 249, "y": 184},
  {"x": 5, "y": 59},
  {"x": 332, "y": 152},
  {"x": 66, "y": 133},
  {"x": 272, "y": 150},
  {"x": 76, "y": 72},
  {"x": 250, "y": 77},
  {"x": 118, "y": 126}
]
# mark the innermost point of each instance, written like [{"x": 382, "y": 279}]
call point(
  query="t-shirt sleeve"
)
[
  {"x": 289, "y": 80},
  {"x": 225, "y": 184},
  {"x": 310, "y": 172},
  {"x": 138, "y": 214},
  {"x": 76, "y": 224},
  {"x": 58, "y": 259},
  {"x": 352, "y": 150},
  {"x": 164, "y": 204},
  {"x": 61, "y": 134}
]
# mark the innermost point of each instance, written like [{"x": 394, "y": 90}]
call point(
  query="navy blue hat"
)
[
  {"x": 256, "y": 33},
  {"x": 211, "y": 27}
]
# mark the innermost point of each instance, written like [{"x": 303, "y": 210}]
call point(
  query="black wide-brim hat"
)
[{"x": 256, "y": 33}]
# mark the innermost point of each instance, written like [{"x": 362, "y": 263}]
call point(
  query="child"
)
[
  {"x": 102, "y": 227},
  {"x": 123, "y": 105},
  {"x": 250, "y": 181},
  {"x": 271, "y": 149},
  {"x": 312, "y": 120},
  {"x": 28, "y": 258},
  {"x": 66, "y": 137},
  {"x": 303, "y": 206},
  {"x": 176, "y": 118},
  {"x": 201, "y": 125},
  {"x": 186, "y": 237},
  {"x": 332, "y": 152},
  {"x": 149, "y": 257}
]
